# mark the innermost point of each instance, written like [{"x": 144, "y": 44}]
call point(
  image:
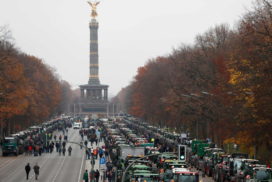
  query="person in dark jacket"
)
[
  {"x": 70, "y": 150},
  {"x": 27, "y": 169},
  {"x": 63, "y": 151},
  {"x": 85, "y": 176},
  {"x": 36, "y": 171},
  {"x": 92, "y": 162},
  {"x": 97, "y": 175}
]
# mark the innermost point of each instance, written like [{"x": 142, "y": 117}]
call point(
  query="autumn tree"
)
[
  {"x": 219, "y": 87},
  {"x": 30, "y": 90},
  {"x": 252, "y": 76}
]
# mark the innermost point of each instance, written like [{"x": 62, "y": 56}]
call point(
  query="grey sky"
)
[{"x": 130, "y": 32}]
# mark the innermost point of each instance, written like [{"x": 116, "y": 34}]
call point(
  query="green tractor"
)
[
  {"x": 11, "y": 145},
  {"x": 260, "y": 174}
]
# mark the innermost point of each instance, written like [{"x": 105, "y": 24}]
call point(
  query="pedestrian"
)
[
  {"x": 27, "y": 169},
  {"x": 101, "y": 152},
  {"x": 63, "y": 151},
  {"x": 26, "y": 149},
  {"x": 57, "y": 147},
  {"x": 106, "y": 153},
  {"x": 30, "y": 148},
  {"x": 87, "y": 153},
  {"x": 36, "y": 170},
  {"x": 59, "y": 151},
  {"x": 97, "y": 175},
  {"x": 40, "y": 151},
  {"x": 95, "y": 151},
  {"x": 104, "y": 175},
  {"x": 63, "y": 144},
  {"x": 81, "y": 144},
  {"x": 70, "y": 150},
  {"x": 92, "y": 162},
  {"x": 109, "y": 175},
  {"x": 91, "y": 176},
  {"x": 85, "y": 176}
]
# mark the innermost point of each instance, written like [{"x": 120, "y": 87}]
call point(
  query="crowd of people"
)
[
  {"x": 94, "y": 143},
  {"x": 38, "y": 144}
]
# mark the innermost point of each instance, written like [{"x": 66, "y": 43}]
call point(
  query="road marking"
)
[
  {"x": 82, "y": 161},
  {"x": 50, "y": 155},
  {"x": 10, "y": 160},
  {"x": 62, "y": 163},
  {"x": 80, "y": 171},
  {"x": 5, "y": 163},
  {"x": 46, "y": 160},
  {"x": 10, "y": 173}
]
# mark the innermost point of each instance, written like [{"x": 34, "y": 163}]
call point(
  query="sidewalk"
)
[{"x": 101, "y": 167}]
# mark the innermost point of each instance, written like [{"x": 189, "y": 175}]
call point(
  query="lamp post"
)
[
  {"x": 107, "y": 110},
  {"x": 113, "y": 110},
  {"x": 74, "y": 109}
]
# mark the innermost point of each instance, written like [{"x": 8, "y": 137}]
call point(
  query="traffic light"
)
[{"x": 182, "y": 152}]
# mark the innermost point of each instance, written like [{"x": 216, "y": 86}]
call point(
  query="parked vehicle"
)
[
  {"x": 260, "y": 174},
  {"x": 12, "y": 145}
]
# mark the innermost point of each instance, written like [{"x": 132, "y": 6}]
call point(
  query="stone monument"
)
[{"x": 94, "y": 96}]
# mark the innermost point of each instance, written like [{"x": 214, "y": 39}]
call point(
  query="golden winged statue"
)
[{"x": 93, "y": 6}]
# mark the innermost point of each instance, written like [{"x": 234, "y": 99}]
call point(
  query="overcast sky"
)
[{"x": 130, "y": 32}]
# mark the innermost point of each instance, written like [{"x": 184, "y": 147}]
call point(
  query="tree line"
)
[
  {"x": 30, "y": 90},
  {"x": 220, "y": 87}
]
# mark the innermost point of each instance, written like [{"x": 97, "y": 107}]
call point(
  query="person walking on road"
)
[
  {"x": 70, "y": 150},
  {"x": 97, "y": 175},
  {"x": 85, "y": 176},
  {"x": 27, "y": 169},
  {"x": 63, "y": 151},
  {"x": 81, "y": 144},
  {"x": 91, "y": 175},
  {"x": 36, "y": 171},
  {"x": 59, "y": 151},
  {"x": 92, "y": 162}
]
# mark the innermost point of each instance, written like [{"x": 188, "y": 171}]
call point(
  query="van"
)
[{"x": 77, "y": 125}]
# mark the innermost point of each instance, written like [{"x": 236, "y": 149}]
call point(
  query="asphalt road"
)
[{"x": 53, "y": 168}]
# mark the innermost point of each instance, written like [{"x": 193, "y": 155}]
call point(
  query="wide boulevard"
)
[{"x": 53, "y": 168}]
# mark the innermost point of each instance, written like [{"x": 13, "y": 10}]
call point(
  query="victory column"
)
[{"x": 94, "y": 96}]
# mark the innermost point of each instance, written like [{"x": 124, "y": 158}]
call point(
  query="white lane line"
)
[
  {"x": 46, "y": 160},
  {"x": 7, "y": 162},
  {"x": 11, "y": 160},
  {"x": 80, "y": 171},
  {"x": 10, "y": 173},
  {"x": 62, "y": 163},
  {"x": 50, "y": 155}
]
